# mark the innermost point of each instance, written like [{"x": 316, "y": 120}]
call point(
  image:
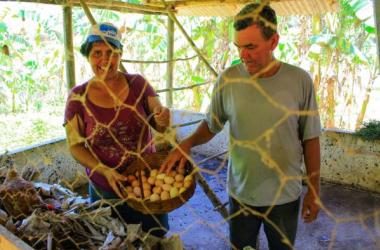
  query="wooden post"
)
[
  {"x": 376, "y": 10},
  {"x": 170, "y": 65},
  {"x": 192, "y": 44},
  {"x": 208, "y": 191},
  {"x": 69, "y": 48},
  {"x": 211, "y": 195}
]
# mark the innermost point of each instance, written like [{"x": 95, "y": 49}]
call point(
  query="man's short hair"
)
[{"x": 258, "y": 14}]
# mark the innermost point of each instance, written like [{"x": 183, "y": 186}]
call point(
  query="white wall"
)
[{"x": 346, "y": 159}]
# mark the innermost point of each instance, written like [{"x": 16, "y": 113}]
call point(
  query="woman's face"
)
[{"x": 104, "y": 60}]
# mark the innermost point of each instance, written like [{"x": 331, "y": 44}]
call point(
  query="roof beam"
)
[{"x": 111, "y": 5}]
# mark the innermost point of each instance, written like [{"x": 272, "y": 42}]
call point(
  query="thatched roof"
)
[
  {"x": 203, "y": 7},
  {"x": 231, "y": 7}
]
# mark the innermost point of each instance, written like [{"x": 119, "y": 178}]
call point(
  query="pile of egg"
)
[{"x": 158, "y": 186}]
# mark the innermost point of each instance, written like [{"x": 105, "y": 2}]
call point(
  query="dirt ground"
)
[{"x": 350, "y": 219}]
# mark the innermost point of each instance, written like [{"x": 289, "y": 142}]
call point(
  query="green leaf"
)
[
  {"x": 370, "y": 29},
  {"x": 198, "y": 79},
  {"x": 231, "y": 31},
  {"x": 134, "y": 1},
  {"x": 235, "y": 62},
  {"x": 3, "y": 27},
  {"x": 359, "y": 56},
  {"x": 313, "y": 56},
  {"x": 358, "y": 5},
  {"x": 31, "y": 64},
  {"x": 150, "y": 28},
  {"x": 281, "y": 46}
]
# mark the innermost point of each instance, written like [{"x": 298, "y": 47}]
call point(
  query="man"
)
[{"x": 274, "y": 125}]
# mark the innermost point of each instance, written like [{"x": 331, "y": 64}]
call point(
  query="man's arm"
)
[
  {"x": 310, "y": 207},
  {"x": 182, "y": 152}
]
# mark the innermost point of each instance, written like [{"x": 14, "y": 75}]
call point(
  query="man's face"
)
[{"x": 254, "y": 50}]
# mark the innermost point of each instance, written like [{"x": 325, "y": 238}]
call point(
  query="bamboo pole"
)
[
  {"x": 186, "y": 124},
  {"x": 87, "y": 12},
  {"x": 69, "y": 48},
  {"x": 197, "y": 3},
  {"x": 112, "y": 5},
  {"x": 192, "y": 44},
  {"x": 170, "y": 65},
  {"x": 152, "y": 61},
  {"x": 92, "y": 21},
  {"x": 182, "y": 88},
  {"x": 211, "y": 195},
  {"x": 190, "y": 41},
  {"x": 123, "y": 5},
  {"x": 220, "y": 207},
  {"x": 376, "y": 10}
]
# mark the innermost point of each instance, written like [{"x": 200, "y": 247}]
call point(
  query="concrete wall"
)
[
  {"x": 50, "y": 161},
  {"x": 346, "y": 159}
]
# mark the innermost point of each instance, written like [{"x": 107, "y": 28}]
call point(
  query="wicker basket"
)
[{"x": 153, "y": 161}]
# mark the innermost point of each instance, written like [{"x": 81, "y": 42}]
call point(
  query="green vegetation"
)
[
  {"x": 369, "y": 131},
  {"x": 338, "y": 49}
]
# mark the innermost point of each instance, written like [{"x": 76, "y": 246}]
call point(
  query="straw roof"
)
[
  {"x": 201, "y": 7},
  {"x": 231, "y": 7}
]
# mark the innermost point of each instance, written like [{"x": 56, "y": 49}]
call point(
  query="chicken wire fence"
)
[{"x": 53, "y": 216}]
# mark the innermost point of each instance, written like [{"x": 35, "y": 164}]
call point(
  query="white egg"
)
[
  {"x": 188, "y": 177},
  {"x": 154, "y": 173},
  {"x": 173, "y": 192},
  {"x": 179, "y": 178},
  {"x": 169, "y": 180},
  {"x": 166, "y": 187},
  {"x": 155, "y": 197},
  {"x": 165, "y": 195}
]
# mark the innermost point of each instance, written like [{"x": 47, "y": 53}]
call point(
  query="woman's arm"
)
[{"x": 76, "y": 144}]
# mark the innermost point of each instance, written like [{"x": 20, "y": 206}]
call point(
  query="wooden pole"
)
[
  {"x": 211, "y": 195},
  {"x": 192, "y": 44},
  {"x": 124, "y": 5},
  {"x": 69, "y": 48},
  {"x": 161, "y": 61},
  {"x": 208, "y": 191},
  {"x": 170, "y": 65},
  {"x": 101, "y": 4},
  {"x": 188, "y": 38},
  {"x": 92, "y": 21},
  {"x": 87, "y": 11},
  {"x": 376, "y": 9}
]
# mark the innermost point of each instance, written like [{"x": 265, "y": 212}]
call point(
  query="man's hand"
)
[
  {"x": 176, "y": 155},
  {"x": 161, "y": 116},
  {"x": 310, "y": 207}
]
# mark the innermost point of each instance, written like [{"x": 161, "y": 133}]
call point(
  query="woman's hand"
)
[
  {"x": 161, "y": 116},
  {"x": 115, "y": 180}
]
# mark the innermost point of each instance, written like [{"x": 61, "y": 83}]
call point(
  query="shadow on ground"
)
[{"x": 349, "y": 220}]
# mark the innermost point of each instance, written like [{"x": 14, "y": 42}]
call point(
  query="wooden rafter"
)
[{"x": 111, "y": 5}]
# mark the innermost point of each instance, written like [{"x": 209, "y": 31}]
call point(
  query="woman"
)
[{"x": 107, "y": 123}]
